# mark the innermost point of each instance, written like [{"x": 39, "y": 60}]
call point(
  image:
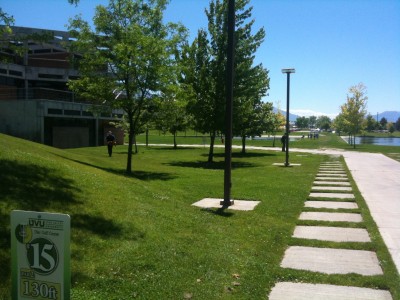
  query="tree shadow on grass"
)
[
  {"x": 33, "y": 188},
  {"x": 219, "y": 165},
  {"x": 222, "y": 211},
  {"x": 141, "y": 175},
  {"x": 106, "y": 228},
  {"x": 173, "y": 149},
  {"x": 244, "y": 155}
]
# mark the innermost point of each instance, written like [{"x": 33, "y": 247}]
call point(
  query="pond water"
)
[{"x": 382, "y": 141}]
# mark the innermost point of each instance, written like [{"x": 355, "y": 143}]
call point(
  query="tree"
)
[
  {"x": 312, "y": 121},
  {"x": 277, "y": 122},
  {"x": 323, "y": 122},
  {"x": 354, "y": 110},
  {"x": 339, "y": 124},
  {"x": 255, "y": 122},
  {"x": 127, "y": 60},
  {"x": 383, "y": 122},
  {"x": 171, "y": 115},
  {"x": 397, "y": 125},
  {"x": 370, "y": 123},
  {"x": 251, "y": 116},
  {"x": 391, "y": 127},
  {"x": 209, "y": 51},
  {"x": 302, "y": 122}
]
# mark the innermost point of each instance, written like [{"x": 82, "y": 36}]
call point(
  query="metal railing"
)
[{"x": 39, "y": 94}]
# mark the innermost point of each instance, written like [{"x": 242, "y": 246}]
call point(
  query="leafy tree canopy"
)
[{"x": 128, "y": 59}]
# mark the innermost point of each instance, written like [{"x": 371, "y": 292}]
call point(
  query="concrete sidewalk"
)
[{"x": 378, "y": 179}]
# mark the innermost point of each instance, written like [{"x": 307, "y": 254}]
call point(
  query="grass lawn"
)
[
  {"x": 325, "y": 140},
  {"x": 139, "y": 236}
]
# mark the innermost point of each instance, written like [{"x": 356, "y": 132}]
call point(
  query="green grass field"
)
[{"x": 139, "y": 237}]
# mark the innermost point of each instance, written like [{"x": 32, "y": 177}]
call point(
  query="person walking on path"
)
[
  {"x": 283, "y": 141},
  {"x": 110, "y": 140}
]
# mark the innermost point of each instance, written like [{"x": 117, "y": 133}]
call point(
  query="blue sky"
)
[{"x": 332, "y": 44}]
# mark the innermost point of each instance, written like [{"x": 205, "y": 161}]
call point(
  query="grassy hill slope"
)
[{"x": 139, "y": 236}]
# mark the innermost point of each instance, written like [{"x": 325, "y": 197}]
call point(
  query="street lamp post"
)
[
  {"x": 288, "y": 72},
  {"x": 229, "y": 105}
]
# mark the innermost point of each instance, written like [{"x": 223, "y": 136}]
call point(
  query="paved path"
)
[
  {"x": 378, "y": 179},
  {"x": 330, "y": 260}
]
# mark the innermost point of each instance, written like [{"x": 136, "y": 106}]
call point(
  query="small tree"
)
[
  {"x": 171, "y": 115},
  {"x": 383, "y": 123},
  {"x": 370, "y": 123},
  {"x": 354, "y": 110},
  {"x": 397, "y": 125},
  {"x": 312, "y": 121},
  {"x": 302, "y": 122},
  {"x": 391, "y": 127},
  {"x": 324, "y": 122}
]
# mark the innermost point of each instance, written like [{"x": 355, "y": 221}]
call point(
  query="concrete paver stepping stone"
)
[
  {"x": 238, "y": 204},
  {"x": 331, "y": 216},
  {"x": 332, "y": 195},
  {"x": 332, "y": 234},
  {"x": 331, "y": 172},
  {"x": 309, "y": 291},
  {"x": 328, "y": 178},
  {"x": 331, "y": 166},
  {"x": 331, "y": 188},
  {"x": 331, "y": 175},
  {"x": 328, "y": 182},
  {"x": 331, "y": 261},
  {"x": 331, "y": 204}
]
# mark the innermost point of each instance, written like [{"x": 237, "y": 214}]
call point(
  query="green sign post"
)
[{"x": 40, "y": 255}]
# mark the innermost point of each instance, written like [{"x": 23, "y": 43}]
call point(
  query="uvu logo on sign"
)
[{"x": 40, "y": 255}]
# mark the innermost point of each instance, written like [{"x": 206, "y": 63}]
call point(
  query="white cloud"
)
[{"x": 309, "y": 113}]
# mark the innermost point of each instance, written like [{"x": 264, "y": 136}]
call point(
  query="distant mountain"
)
[
  {"x": 390, "y": 116},
  {"x": 292, "y": 117}
]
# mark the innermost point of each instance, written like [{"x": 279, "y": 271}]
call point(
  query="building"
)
[{"x": 35, "y": 102}]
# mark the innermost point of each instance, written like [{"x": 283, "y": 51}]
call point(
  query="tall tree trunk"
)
[
  {"x": 243, "y": 144},
  {"x": 147, "y": 137},
  {"x": 129, "y": 160},
  {"x": 175, "y": 145},
  {"x": 211, "y": 151},
  {"x": 134, "y": 141}
]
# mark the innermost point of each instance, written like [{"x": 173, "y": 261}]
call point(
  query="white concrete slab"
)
[
  {"x": 331, "y": 217},
  {"x": 321, "y": 174},
  {"x": 308, "y": 291},
  {"x": 331, "y": 183},
  {"x": 332, "y": 261},
  {"x": 283, "y": 164},
  {"x": 378, "y": 179},
  {"x": 331, "y": 204},
  {"x": 215, "y": 203},
  {"x": 327, "y": 178},
  {"x": 332, "y": 171},
  {"x": 331, "y": 188},
  {"x": 332, "y": 234},
  {"x": 332, "y": 195},
  {"x": 331, "y": 167}
]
